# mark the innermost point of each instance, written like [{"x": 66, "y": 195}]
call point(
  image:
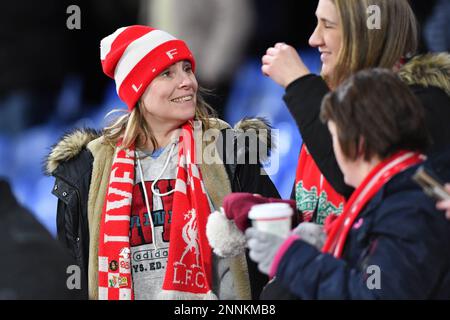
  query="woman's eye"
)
[
  {"x": 165, "y": 73},
  {"x": 188, "y": 68},
  {"x": 329, "y": 25}
]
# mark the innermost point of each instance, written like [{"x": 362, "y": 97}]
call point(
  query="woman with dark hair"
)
[{"x": 390, "y": 242}]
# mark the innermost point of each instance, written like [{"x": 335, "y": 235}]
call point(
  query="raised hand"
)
[{"x": 283, "y": 64}]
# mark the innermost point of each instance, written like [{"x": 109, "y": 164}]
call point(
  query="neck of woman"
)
[
  {"x": 363, "y": 169},
  {"x": 163, "y": 134}
]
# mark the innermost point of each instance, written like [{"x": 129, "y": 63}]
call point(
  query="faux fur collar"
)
[
  {"x": 428, "y": 70},
  {"x": 69, "y": 146}
]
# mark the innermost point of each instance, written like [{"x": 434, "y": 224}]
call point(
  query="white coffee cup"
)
[{"x": 274, "y": 218}]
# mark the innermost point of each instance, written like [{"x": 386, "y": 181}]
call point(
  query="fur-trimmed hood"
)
[
  {"x": 262, "y": 128},
  {"x": 71, "y": 144},
  {"x": 68, "y": 147},
  {"x": 428, "y": 70}
]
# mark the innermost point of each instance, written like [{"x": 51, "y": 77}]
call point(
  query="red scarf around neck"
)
[
  {"x": 188, "y": 273},
  {"x": 375, "y": 180}
]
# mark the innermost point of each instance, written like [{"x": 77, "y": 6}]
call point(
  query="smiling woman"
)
[
  {"x": 347, "y": 45},
  {"x": 170, "y": 99},
  {"x": 327, "y": 36},
  {"x": 134, "y": 201},
  {"x": 152, "y": 88}
]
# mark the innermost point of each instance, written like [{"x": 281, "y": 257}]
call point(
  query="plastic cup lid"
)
[{"x": 270, "y": 211}]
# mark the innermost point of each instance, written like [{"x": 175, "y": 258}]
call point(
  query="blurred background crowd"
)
[{"x": 51, "y": 79}]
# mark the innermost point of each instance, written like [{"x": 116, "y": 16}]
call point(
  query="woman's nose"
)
[
  {"x": 186, "y": 80},
  {"x": 316, "y": 39}
]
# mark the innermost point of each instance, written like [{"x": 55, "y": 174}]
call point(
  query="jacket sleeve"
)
[
  {"x": 72, "y": 189},
  {"x": 399, "y": 262},
  {"x": 253, "y": 179},
  {"x": 304, "y": 98}
]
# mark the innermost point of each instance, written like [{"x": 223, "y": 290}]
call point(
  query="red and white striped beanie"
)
[{"x": 133, "y": 56}]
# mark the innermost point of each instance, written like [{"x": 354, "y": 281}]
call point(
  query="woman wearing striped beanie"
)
[{"x": 134, "y": 201}]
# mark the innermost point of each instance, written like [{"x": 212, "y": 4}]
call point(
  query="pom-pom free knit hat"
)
[{"x": 133, "y": 56}]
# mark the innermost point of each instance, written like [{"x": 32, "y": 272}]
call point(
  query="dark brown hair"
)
[{"x": 376, "y": 110}]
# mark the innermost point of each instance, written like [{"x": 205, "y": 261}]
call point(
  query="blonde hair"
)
[
  {"x": 363, "y": 47},
  {"x": 133, "y": 129}
]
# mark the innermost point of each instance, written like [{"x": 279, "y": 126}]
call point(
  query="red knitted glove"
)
[{"x": 237, "y": 206}]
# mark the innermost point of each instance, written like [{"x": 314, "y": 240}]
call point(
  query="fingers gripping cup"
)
[{"x": 274, "y": 218}]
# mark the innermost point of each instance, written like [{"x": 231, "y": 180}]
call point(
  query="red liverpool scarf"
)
[
  {"x": 188, "y": 274},
  {"x": 375, "y": 180}
]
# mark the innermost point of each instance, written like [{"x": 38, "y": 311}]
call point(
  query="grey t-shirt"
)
[{"x": 147, "y": 262}]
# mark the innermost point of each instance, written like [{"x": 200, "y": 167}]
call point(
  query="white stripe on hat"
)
[
  {"x": 137, "y": 50},
  {"x": 106, "y": 43}
]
